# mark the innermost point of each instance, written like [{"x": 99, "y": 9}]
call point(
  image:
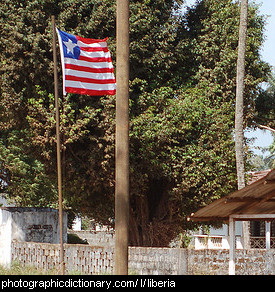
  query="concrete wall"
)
[
  {"x": 96, "y": 238},
  {"x": 88, "y": 259},
  {"x": 28, "y": 224},
  {"x": 32, "y": 224},
  {"x": 215, "y": 262},
  {"x": 157, "y": 261},
  {"x": 82, "y": 258}
]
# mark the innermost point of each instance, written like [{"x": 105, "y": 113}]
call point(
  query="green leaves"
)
[
  {"x": 24, "y": 176},
  {"x": 185, "y": 140}
]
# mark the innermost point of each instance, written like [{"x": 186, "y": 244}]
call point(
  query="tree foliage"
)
[
  {"x": 182, "y": 85},
  {"x": 265, "y": 104},
  {"x": 265, "y": 116}
]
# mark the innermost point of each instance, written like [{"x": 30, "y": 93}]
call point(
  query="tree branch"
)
[{"x": 266, "y": 128}]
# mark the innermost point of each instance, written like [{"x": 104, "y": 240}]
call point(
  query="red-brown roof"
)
[
  {"x": 256, "y": 175},
  {"x": 256, "y": 198}
]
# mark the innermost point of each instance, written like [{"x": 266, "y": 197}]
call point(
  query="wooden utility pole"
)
[
  {"x": 58, "y": 150},
  {"x": 239, "y": 120},
  {"x": 122, "y": 140}
]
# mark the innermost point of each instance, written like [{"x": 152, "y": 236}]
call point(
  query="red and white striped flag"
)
[{"x": 86, "y": 65}]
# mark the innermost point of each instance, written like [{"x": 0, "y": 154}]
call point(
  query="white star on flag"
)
[{"x": 70, "y": 46}]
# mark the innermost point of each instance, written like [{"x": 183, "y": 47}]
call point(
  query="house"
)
[{"x": 217, "y": 238}]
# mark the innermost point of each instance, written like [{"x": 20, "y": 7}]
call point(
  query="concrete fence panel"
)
[{"x": 87, "y": 259}]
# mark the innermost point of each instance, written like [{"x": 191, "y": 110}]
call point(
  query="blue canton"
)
[{"x": 70, "y": 47}]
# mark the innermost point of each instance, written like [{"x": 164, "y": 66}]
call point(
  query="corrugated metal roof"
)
[{"x": 256, "y": 198}]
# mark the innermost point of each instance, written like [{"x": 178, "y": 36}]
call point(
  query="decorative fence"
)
[
  {"x": 260, "y": 242},
  {"x": 215, "y": 242},
  {"x": 88, "y": 259},
  {"x": 211, "y": 242},
  {"x": 222, "y": 242},
  {"x": 85, "y": 259}
]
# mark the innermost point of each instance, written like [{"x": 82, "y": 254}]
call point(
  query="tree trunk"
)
[{"x": 239, "y": 129}]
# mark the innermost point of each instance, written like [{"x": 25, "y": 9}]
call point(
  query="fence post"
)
[
  {"x": 231, "y": 246},
  {"x": 267, "y": 234},
  {"x": 183, "y": 261}
]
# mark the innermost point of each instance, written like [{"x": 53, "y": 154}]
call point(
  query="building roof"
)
[
  {"x": 256, "y": 198},
  {"x": 256, "y": 175}
]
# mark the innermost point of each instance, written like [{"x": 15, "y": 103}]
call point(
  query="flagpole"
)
[
  {"x": 122, "y": 140},
  {"x": 58, "y": 151}
]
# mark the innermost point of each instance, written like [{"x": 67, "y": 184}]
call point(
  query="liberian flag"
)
[{"x": 86, "y": 65}]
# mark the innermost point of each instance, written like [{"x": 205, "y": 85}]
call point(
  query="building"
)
[
  {"x": 28, "y": 224},
  {"x": 219, "y": 237}
]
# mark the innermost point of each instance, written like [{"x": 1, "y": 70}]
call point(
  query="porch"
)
[
  {"x": 222, "y": 242},
  {"x": 255, "y": 202}
]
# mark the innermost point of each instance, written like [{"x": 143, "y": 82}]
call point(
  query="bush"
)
[{"x": 75, "y": 239}]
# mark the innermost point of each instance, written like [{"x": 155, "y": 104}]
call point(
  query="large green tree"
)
[
  {"x": 182, "y": 83},
  {"x": 265, "y": 116},
  {"x": 265, "y": 105}
]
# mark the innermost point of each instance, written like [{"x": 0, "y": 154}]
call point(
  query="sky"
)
[{"x": 262, "y": 138}]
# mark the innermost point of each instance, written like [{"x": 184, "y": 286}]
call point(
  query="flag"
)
[{"x": 86, "y": 65}]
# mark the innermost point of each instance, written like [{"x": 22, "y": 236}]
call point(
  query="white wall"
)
[
  {"x": 28, "y": 224},
  {"x": 5, "y": 237}
]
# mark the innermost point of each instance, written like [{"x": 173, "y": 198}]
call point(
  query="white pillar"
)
[
  {"x": 6, "y": 238},
  {"x": 231, "y": 246},
  {"x": 267, "y": 234}
]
